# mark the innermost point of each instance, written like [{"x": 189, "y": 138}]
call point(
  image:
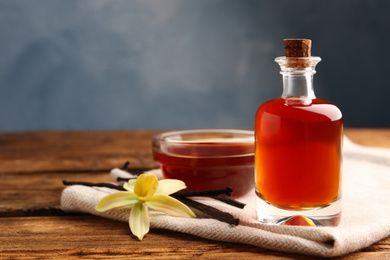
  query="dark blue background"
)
[{"x": 100, "y": 64}]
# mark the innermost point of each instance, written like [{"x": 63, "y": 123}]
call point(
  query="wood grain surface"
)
[{"x": 32, "y": 226}]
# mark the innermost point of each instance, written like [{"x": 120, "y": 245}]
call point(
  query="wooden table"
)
[{"x": 33, "y": 165}]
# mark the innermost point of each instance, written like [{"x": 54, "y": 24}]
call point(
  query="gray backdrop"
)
[{"x": 139, "y": 64}]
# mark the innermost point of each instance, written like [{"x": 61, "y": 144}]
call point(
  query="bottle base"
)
[{"x": 328, "y": 215}]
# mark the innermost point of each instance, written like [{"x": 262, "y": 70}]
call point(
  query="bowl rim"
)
[{"x": 162, "y": 137}]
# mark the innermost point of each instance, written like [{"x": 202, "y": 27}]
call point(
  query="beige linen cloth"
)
[{"x": 365, "y": 218}]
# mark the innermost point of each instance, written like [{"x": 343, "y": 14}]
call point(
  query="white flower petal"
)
[
  {"x": 170, "y": 186},
  {"x": 169, "y": 206},
  {"x": 116, "y": 200},
  {"x": 139, "y": 220}
]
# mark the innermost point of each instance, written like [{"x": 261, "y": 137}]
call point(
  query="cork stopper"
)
[{"x": 297, "y": 47}]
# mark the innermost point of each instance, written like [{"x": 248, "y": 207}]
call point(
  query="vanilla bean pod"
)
[
  {"x": 230, "y": 201},
  {"x": 180, "y": 195},
  {"x": 215, "y": 194},
  {"x": 212, "y": 212},
  {"x": 119, "y": 179},
  {"x": 125, "y": 168},
  {"x": 90, "y": 184},
  {"x": 192, "y": 193}
]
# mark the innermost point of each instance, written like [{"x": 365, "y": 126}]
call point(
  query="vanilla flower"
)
[{"x": 146, "y": 191}]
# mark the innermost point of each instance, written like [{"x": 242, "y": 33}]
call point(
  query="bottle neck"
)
[
  {"x": 298, "y": 86},
  {"x": 298, "y": 77}
]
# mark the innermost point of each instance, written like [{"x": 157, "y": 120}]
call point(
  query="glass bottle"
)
[{"x": 298, "y": 142}]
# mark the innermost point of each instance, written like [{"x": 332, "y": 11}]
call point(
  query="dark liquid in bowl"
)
[{"x": 205, "y": 166}]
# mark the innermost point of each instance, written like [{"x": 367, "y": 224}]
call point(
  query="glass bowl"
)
[{"x": 207, "y": 159}]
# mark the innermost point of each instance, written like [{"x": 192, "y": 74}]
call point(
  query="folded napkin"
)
[{"x": 365, "y": 216}]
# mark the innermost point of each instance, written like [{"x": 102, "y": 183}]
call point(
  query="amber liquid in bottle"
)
[
  {"x": 298, "y": 141},
  {"x": 298, "y": 153}
]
